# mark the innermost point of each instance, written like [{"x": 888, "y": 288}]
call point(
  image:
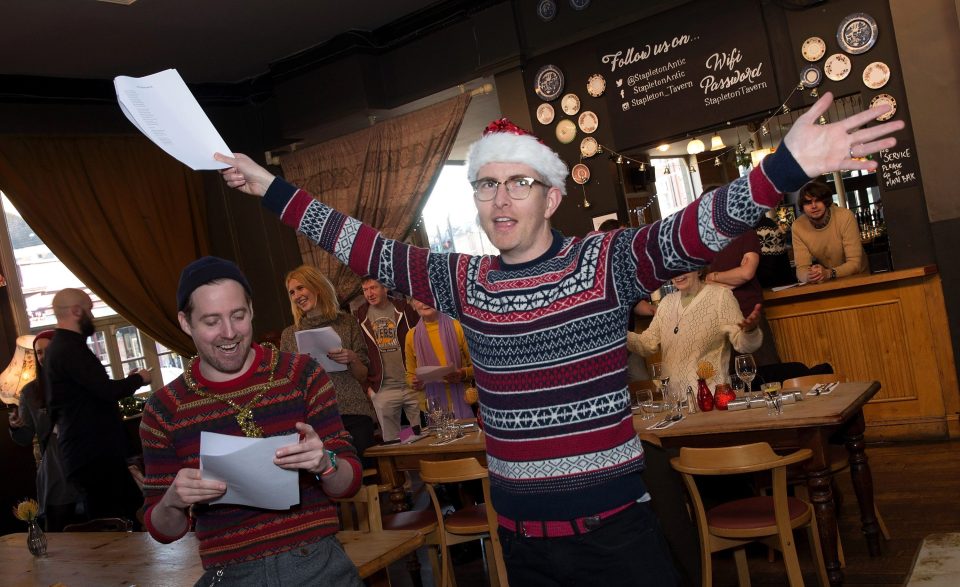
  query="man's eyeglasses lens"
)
[{"x": 518, "y": 188}]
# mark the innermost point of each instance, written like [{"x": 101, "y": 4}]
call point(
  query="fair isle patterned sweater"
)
[{"x": 547, "y": 337}]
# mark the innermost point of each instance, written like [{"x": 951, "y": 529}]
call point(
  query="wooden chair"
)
[
  {"x": 101, "y": 525},
  {"x": 362, "y": 512},
  {"x": 839, "y": 458},
  {"x": 468, "y": 523},
  {"x": 767, "y": 519}
]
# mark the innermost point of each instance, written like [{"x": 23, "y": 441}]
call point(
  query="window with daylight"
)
[
  {"x": 676, "y": 186},
  {"x": 120, "y": 346},
  {"x": 450, "y": 217}
]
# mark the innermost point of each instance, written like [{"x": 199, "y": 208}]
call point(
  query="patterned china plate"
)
[
  {"x": 545, "y": 113},
  {"x": 837, "y": 67},
  {"x": 857, "y": 33},
  {"x": 588, "y": 121},
  {"x": 811, "y": 76},
  {"x": 813, "y": 49},
  {"x": 580, "y": 173},
  {"x": 884, "y": 99},
  {"x": 589, "y": 147},
  {"x": 876, "y": 75},
  {"x": 596, "y": 85},
  {"x": 549, "y": 84},
  {"x": 570, "y": 104}
]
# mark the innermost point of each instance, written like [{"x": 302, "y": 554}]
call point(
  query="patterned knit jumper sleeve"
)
[{"x": 547, "y": 337}]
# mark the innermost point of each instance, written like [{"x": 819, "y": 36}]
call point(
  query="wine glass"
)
[
  {"x": 660, "y": 377},
  {"x": 645, "y": 402},
  {"x": 746, "y": 370}
]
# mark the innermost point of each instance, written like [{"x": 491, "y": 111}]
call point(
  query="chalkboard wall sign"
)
[
  {"x": 686, "y": 70},
  {"x": 899, "y": 168}
]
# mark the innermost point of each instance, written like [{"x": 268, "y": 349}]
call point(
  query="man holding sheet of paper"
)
[{"x": 238, "y": 388}]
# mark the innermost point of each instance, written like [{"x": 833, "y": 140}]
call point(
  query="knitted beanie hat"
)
[
  {"x": 505, "y": 142},
  {"x": 203, "y": 271},
  {"x": 42, "y": 335}
]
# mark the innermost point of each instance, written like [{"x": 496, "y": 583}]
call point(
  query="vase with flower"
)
[
  {"x": 704, "y": 397},
  {"x": 27, "y": 511}
]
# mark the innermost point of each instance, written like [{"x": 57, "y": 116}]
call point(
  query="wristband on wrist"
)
[
  {"x": 833, "y": 274},
  {"x": 332, "y": 468}
]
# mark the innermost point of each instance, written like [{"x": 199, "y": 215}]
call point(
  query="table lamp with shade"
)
[{"x": 21, "y": 370}]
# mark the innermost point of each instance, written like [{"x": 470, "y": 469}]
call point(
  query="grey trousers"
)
[{"x": 321, "y": 563}]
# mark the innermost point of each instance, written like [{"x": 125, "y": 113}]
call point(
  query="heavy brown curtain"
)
[
  {"x": 378, "y": 175},
  {"x": 121, "y": 214}
]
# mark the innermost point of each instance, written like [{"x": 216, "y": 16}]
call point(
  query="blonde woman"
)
[{"x": 314, "y": 304}]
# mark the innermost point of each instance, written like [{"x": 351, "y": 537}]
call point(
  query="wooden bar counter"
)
[{"x": 890, "y": 327}]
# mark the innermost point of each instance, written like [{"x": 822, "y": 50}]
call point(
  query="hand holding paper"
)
[
  {"x": 247, "y": 467},
  {"x": 317, "y": 342}
]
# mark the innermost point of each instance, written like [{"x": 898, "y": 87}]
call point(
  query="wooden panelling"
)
[{"x": 893, "y": 329}]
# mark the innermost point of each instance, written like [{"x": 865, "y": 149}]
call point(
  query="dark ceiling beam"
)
[{"x": 381, "y": 40}]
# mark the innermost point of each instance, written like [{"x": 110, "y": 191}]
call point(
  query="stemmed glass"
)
[
  {"x": 661, "y": 378},
  {"x": 746, "y": 370}
]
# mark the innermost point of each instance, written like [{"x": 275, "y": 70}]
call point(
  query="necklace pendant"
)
[
  {"x": 249, "y": 427},
  {"x": 676, "y": 329}
]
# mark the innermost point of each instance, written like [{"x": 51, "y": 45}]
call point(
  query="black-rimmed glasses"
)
[{"x": 518, "y": 187}]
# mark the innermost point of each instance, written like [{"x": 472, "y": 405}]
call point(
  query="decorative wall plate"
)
[
  {"x": 547, "y": 10},
  {"x": 566, "y": 131},
  {"x": 580, "y": 173},
  {"x": 549, "y": 83},
  {"x": 811, "y": 76},
  {"x": 857, "y": 33},
  {"x": 570, "y": 104},
  {"x": 589, "y": 147},
  {"x": 876, "y": 75},
  {"x": 588, "y": 121},
  {"x": 877, "y": 101},
  {"x": 813, "y": 49},
  {"x": 596, "y": 85},
  {"x": 837, "y": 67},
  {"x": 579, "y": 4},
  {"x": 545, "y": 113}
]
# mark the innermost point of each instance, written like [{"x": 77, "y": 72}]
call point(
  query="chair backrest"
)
[
  {"x": 101, "y": 525},
  {"x": 362, "y": 511},
  {"x": 811, "y": 380},
  {"x": 455, "y": 471}
]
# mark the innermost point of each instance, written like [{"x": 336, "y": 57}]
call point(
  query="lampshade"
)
[
  {"x": 21, "y": 370},
  {"x": 716, "y": 143},
  {"x": 695, "y": 146}
]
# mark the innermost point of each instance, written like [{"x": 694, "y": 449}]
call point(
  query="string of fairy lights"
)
[{"x": 741, "y": 153}]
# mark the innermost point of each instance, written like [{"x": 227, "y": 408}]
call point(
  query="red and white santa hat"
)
[{"x": 505, "y": 142}]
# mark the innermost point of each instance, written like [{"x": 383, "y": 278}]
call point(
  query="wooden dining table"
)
[
  {"x": 393, "y": 460},
  {"x": 96, "y": 559},
  {"x": 812, "y": 423}
]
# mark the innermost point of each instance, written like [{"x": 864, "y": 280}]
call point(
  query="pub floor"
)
[{"x": 917, "y": 488}]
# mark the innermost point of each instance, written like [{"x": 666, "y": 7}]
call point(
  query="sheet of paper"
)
[
  {"x": 783, "y": 287},
  {"x": 317, "y": 342},
  {"x": 163, "y": 109},
  {"x": 432, "y": 374},
  {"x": 246, "y": 466}
]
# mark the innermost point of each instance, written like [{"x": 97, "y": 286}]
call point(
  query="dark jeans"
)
[
  {"x": 627, "y": 550},
  {"x": 669, "y": 502},
  {"x": 108, "y": 489},
  {"x": 361, "y": 428}
]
